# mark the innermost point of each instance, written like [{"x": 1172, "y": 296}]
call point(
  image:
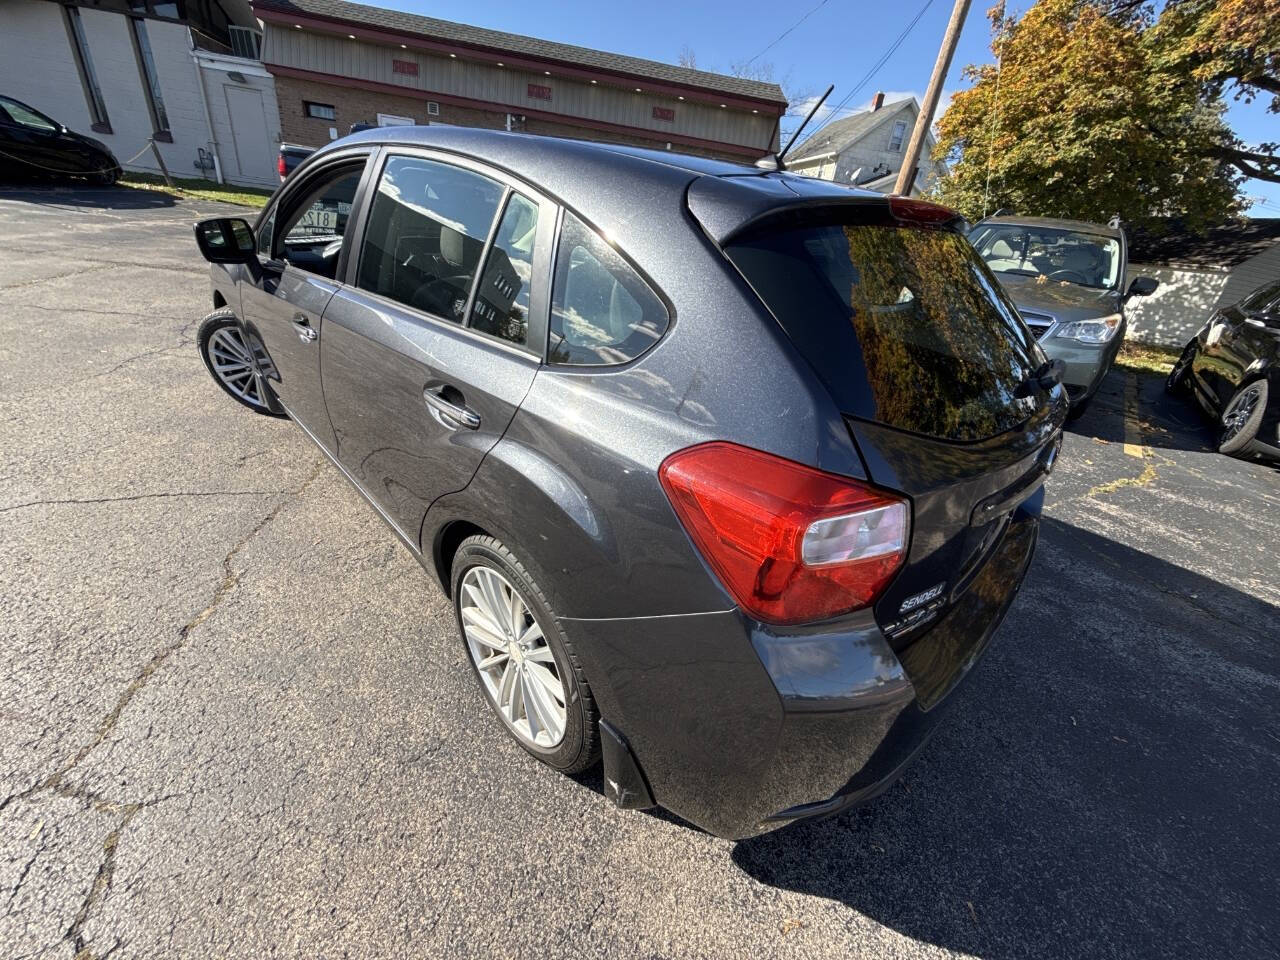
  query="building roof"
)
[
  {"x": 838, "y": 134},
  {"x": 1227, "y": 245},
  {"x": 497, "y": 41}
]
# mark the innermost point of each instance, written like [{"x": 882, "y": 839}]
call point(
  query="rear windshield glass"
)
[{"x": 904, "y": 324}]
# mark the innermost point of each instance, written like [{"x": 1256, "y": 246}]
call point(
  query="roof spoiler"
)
[{"x": 727, "y": 207}]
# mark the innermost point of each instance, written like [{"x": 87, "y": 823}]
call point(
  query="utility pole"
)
[{"x": 907, "y": 175}]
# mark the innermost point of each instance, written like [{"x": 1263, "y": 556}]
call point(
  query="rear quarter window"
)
[
  {"x": 904, "y": 324},
  {"x": 602, "y": 311}
]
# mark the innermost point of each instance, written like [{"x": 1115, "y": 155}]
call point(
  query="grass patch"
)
[
  {"x": 198, "y": 189},
  {"x": 1144, "y": 358}
]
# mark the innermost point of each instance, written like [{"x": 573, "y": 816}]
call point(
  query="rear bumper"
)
[{"x": 742, "y": 728}]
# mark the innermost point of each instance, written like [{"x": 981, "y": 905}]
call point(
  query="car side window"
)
[
  {"x": 602, "y": 312},
  {"x": 502, "y": 299},
  {"x": 426, "y": 232},
  {"x": 311, "y": 230},
  {"x": 24, "y": 116}
]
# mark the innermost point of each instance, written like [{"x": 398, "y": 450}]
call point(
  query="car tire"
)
[
  {"x": 1242, "y": 417},
  {"x": 226, "y": 357},
  {"x": 482, "y": 563},
  {"x": 1078, "y": 409},
  {"x": 1178, "y": 383},
  {"x": 106, "y": 178}
]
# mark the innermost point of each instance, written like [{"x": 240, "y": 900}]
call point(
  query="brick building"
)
[{"x": 337, "y": 63}]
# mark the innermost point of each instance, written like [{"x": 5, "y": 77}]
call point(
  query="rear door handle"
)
[
  {"x": 302, "y": 327},
  {"x": 454, "y": 412}
]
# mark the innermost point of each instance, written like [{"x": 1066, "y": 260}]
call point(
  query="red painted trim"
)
[
  {"x": 339, "y": 27},
  {"x": 658, "y": 136}
]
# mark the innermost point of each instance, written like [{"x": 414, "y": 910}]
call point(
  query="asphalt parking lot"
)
[{"x": 236, "y": 721}]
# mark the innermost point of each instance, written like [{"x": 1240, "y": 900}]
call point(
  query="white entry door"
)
[{"x": 254, "y": 152}]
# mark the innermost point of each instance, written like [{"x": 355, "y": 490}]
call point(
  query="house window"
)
[
  {"x": 433, "y": 108},
  {"x": 899, "y": 131},
  {"x": 88, "y": 77},
  {"x": 321, "y": 111},
  {"x": 245, "y": 42},
  {"x": 150, "y": 80}
]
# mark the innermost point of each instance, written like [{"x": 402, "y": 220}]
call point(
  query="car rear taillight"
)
[
  {"x": 281, "y": 167},
  {"x": 790, "y": 543}
]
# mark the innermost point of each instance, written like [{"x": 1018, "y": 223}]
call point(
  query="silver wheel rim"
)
[
  {"x": 1239, "y": 411},
  {"x": 516, "y": 667},
  {"x": 233, "y": 366}
]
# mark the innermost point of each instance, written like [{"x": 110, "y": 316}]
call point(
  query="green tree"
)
[{"x": 1076, "y": 119}]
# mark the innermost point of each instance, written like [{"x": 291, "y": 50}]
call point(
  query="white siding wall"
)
[
  {"x": 36, "y": 63},
  {"x": 1178, "y": 308},
  {"x": 340, "y": 57},
  {"x": 38, "y": 67},
  {"x": 1253, "y": 273},
  {"x": 1187, "y": 296}
]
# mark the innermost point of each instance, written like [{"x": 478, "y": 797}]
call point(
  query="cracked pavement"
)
[{"x": 236, "y": 721}]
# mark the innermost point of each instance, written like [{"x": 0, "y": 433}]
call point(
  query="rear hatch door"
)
[{"x": 931, "y": 364}]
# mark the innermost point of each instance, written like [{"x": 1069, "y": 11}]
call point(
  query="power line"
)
[
  {"x": 782, "y": 36},
  {"x": 875, "y": 68}
]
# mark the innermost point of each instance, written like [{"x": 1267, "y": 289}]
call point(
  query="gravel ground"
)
[{"x": 236, "y": 721}]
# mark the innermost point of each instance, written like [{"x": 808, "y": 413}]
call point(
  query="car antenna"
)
[{"x": 774, "y": 162}]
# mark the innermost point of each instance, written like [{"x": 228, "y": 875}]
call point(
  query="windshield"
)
[
  {"x": 903, "y": 324},
  {"x": 27, "y": 117},
  {"x": 1068, "y": 256}
]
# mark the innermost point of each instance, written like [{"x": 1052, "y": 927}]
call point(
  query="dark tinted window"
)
[
  {"x": 310, "y": 234},
  {"x": 502, "y": 299},
  {"x": 601, "y": 311},
  {"x": 904, "y": 324},
  {"x": 427, "y": 230},
  {"x": 1261, "y": 300}
]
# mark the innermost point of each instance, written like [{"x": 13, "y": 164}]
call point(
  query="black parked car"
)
[
  {"x": 729, "y": 474},
  {"x": 1232, "y": 366},
  {"x": 34, "y": 146}
]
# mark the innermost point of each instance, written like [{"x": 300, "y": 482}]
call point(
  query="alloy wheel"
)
[
  {"x": 233, "y": 365},
  {"x": 517, "y": 668},
  {"x": 1239, "y": 411}
]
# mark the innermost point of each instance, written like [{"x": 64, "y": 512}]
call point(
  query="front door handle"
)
[
  {"x": 302, "y": 327},
  {"x": 448, "y": 403}
]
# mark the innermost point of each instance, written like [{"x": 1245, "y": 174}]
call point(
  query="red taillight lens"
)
[
  {"x": 280, "y": 166},
  {"x": 790, "y": 543},
  {"x": 909, "y": 210}
]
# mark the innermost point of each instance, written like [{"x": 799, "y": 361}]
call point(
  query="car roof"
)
[
  {"x": 1084, "y": 226},
  {"x": 615, "y": 186}
]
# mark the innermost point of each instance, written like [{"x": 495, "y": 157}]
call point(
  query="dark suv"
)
[{"x": 729, "y": 474}]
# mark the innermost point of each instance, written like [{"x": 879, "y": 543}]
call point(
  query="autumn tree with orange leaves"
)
[{"x": 1095, "y": 109}]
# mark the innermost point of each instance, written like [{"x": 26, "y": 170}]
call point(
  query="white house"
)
[
  {"x": 182, "y": 73},
  {"x": 1197, "y": 274},
  {"x": 865, "y": 149}
]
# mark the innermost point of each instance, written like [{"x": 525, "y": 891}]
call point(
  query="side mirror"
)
[
  {"x": 226, "y": 240},
  {"x": 1142, "y": 287}
]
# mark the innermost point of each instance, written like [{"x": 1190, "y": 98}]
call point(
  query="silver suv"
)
[{"x": 1066, "y": 278}]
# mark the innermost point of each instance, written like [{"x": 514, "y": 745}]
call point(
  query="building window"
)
[
  {"x": 899, "y": 131},
  {"x": 88, "y": 77},
  {"x": 321, "y": 111},
  {"x": 433, "y": 108},
  {"x": 245, "y": 42},
  {"x": 150, "y": 80}
]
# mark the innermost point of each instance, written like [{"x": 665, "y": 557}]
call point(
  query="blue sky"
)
[{"x": 836, "y": 44}]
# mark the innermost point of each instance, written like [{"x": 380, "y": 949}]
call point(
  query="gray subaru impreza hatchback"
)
[{"x": 730, "y": 475}]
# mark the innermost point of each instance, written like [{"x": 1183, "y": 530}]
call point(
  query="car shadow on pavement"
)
[
  {"x": 1151, "y": 417},
  {"x": 1106, "y": 785},
  {"x": 85, "y": 195}
]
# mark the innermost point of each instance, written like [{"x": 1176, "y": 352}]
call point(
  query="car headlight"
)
[{"x": 1100, "y": 330}]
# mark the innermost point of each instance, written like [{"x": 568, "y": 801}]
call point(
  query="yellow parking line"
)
[{"x": 1132, "y": 435}]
